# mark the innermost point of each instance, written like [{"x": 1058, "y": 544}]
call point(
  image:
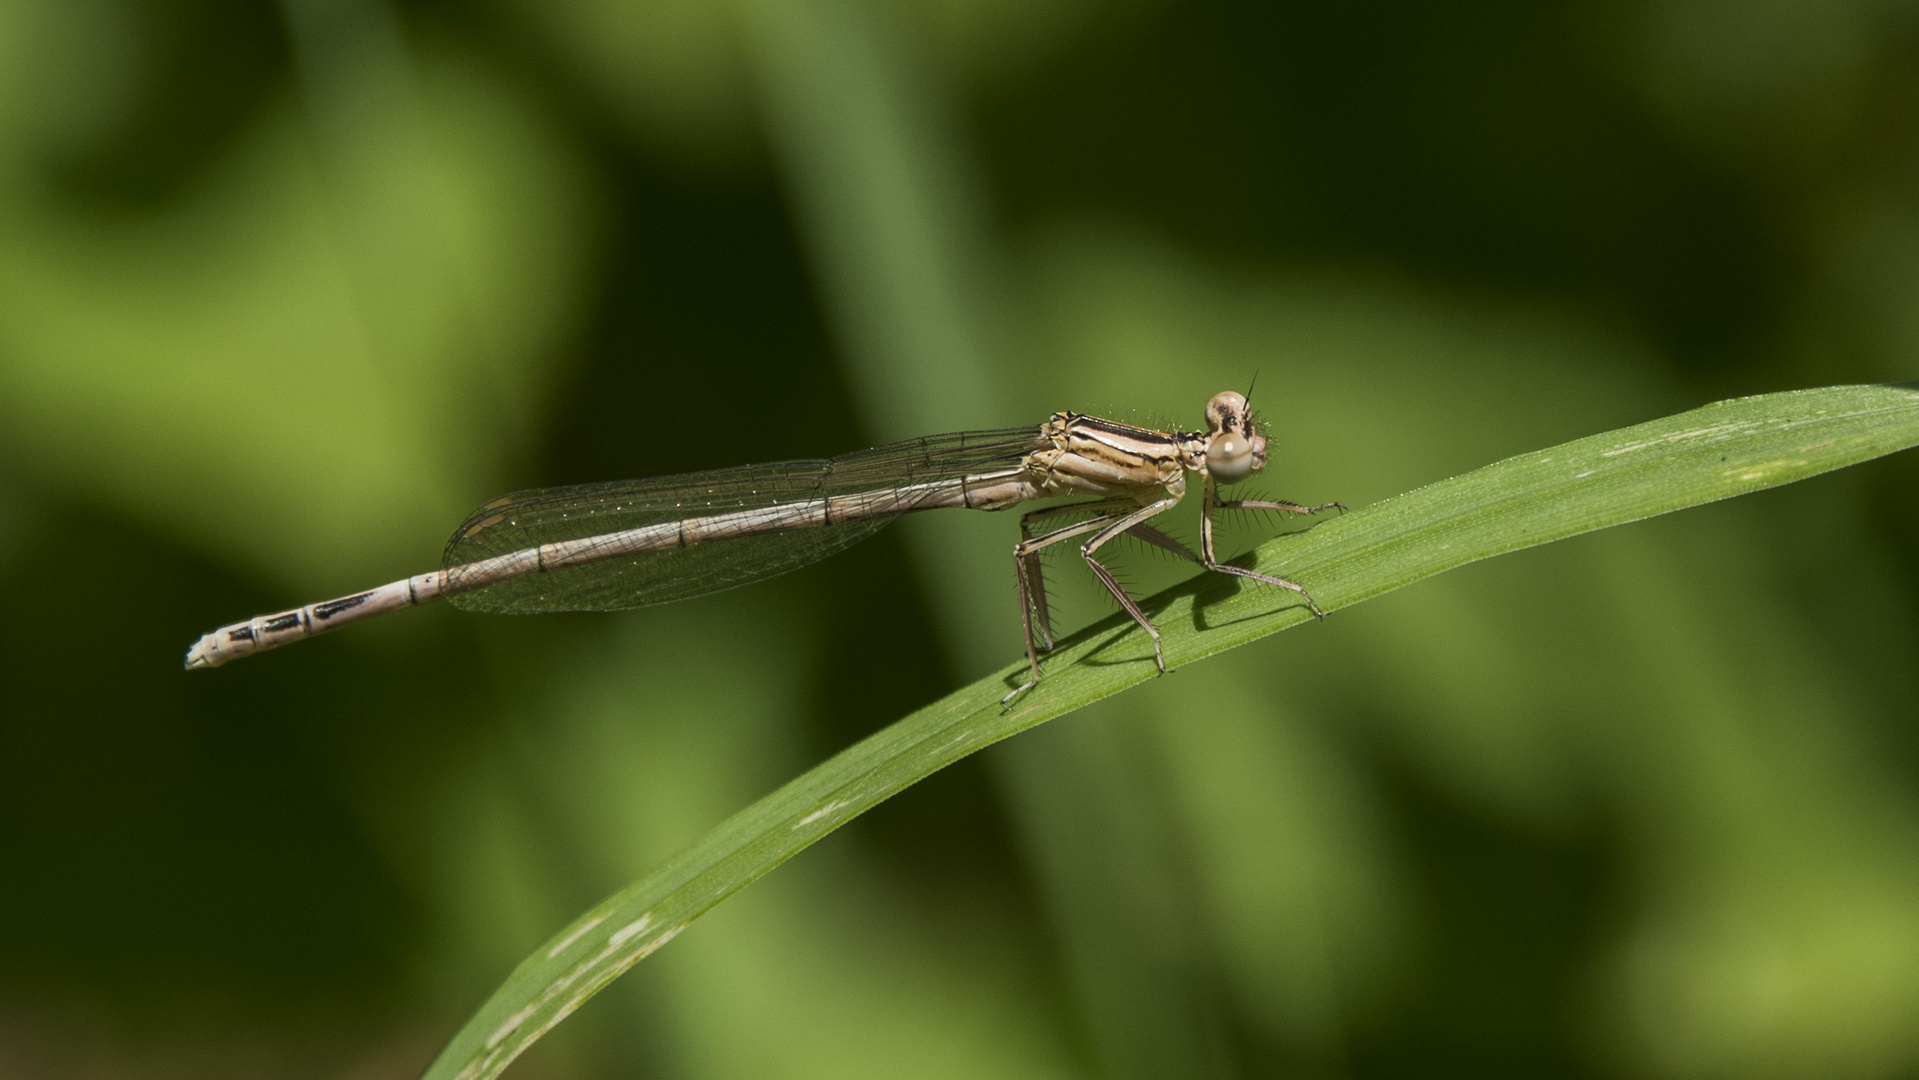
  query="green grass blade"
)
[{"x": 1712, "y": 453}]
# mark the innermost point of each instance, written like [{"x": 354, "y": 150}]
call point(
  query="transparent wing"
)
[{"x": 527, "y": 519}]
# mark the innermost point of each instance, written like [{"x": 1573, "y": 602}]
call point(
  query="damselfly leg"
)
[
  {"x": 1031, "y": 578},
  {"x": 1026, "y": 564},
  {"x": 1213, "y": 502},
  {"x": 1108, "y": 522},
  {"x": 1106, "y": 577}
]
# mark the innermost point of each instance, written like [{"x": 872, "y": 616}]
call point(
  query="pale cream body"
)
[{"x": 1086, "y": 457}]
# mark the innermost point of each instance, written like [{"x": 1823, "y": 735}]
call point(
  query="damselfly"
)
[{"x": 607, "y": 547}]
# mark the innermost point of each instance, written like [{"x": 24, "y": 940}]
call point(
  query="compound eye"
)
[
  {"x": 1229, "y": 456},
  {"x": 1226, "y": 411}
]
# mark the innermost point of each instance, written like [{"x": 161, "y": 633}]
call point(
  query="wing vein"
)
[{"x": 740, "y": 547}]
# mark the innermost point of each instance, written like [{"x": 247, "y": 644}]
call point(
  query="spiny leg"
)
[
  {"x": 1213, "y": 501},
  {"x": 1112, "y": 584},
  {"x": 1150, "y": 535},
  {"x": 1029, "y": 549},
  {"x": 1032, "y": 579},
  {"x": 1211, "y": 562},
  {"x": 1139, "y": 531},
  {"x": 1290, "y": 508}
]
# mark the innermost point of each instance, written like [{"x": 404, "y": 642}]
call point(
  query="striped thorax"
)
[{"x": 1091, "y": 456}]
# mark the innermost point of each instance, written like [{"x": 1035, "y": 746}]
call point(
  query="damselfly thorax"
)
[{"x": 605, "y": 547}]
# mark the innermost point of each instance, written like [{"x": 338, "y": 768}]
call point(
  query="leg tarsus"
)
[
  {"x": 1006, "y": 702},
  {"x": 1254, "y": 575}
]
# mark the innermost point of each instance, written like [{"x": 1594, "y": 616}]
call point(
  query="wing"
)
[{"x": 527, "y": 519}]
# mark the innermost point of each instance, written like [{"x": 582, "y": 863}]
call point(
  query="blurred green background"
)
[{"x": 287, "y": 288}]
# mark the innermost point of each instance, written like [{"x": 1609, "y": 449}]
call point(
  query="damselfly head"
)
[
  {"x": 1234, "y": 448},
  {"x": 1226, "y": 412}
]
